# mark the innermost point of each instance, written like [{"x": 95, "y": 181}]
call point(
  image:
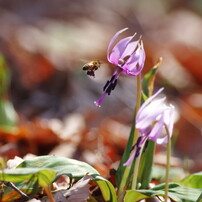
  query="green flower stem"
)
[
  {"x": 138, "y": 104},
  {"x": 127, "y": 170},
  {"x": 167, "y": 164},
  {"x": 136, "y": 169},
  {"x": 123, "y": 184}
]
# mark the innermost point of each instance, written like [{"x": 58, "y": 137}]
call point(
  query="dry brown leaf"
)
[{"x": 77, "y": 193}]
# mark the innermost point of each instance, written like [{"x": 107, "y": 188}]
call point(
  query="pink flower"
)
[
  {"x": 152, "y": 118},
  {"x": 128, "y": 56}
]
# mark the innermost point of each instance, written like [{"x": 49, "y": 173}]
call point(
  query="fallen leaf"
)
[{"x": 77, "y": 193}]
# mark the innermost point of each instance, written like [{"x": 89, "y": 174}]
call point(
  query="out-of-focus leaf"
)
[
  {"x": 176, "y": 192},
  {"x": 2, "y": 163},
  {"x": 27, "y": 187},
  {"x": 42, "y": 175},
  {"x": 193, "y": 181},
  {"x": 199, "y": 198},
  {"x": 8, "y": 115},
  {"x": 61, "y": 165},
  {"x": 149, "y": 78},
  {"x": 4, "y": 77},
  {"x": 158, "y": 173}
]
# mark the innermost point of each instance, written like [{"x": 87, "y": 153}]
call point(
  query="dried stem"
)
[{"x": 49, "y": 194}]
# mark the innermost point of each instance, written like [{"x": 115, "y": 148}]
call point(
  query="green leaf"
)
[
  {"x": 193, "y": 180},
  {"x": 176, "y": 192},
  {"x": 8, "y": 115},
  {"x": 43, "y": 176},
  {"x": 4, "y": 77},
  {"x": 199, "y": 198},
  {"x": 61, "y": 165},
  {"x": 149, "y": 78},
  {"x": 147, "y": 83},
  {"x": 107, "y": 189},
  {"x": 74, "y": 169},
  {"x": 121, "y": 169},
  {"x": 146, "y": 164},
  {"x": 158, "y": 173}
]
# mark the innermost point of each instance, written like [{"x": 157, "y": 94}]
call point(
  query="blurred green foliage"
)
[{"x": 8, "y": 115}]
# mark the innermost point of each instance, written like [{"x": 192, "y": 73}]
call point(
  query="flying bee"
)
[{"x": 91, "y": 67}]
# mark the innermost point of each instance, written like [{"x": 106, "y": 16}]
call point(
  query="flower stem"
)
[
  {"x": 167, "y": 163},
  {"x": 136, "y": 169},
  {"x": 49, "y": 194},
  {"x": 127, "y": 169},
  {"x": 123, "y": 184},
  {"x": 138, "y": 103}
]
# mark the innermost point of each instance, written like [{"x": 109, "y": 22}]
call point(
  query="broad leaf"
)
[
  {"x": 108, "y": 191},
  {"x": 176, "y": 192},
  {"x": 61, "y": 165},
  {"x": 193, "y": 180},
  {"x": 158, "y": 173},
  {"x": 43, "y": 176},
  {"x": 28, "y": 187},
  {"x": 74, "y": 169}
]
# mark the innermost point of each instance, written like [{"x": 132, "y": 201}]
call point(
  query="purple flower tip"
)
[{"x": 97, "y": 103}]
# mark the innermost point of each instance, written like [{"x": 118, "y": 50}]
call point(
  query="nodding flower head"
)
[
  {"x": 151, "y": 120},
  {"x": 129, "y": 58}
]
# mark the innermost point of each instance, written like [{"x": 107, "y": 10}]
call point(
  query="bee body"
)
[{"x": 91, "y": 67}]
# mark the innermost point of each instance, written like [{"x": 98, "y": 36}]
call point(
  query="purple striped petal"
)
[
  {"x": 130, "y": 49},
  {"x": 112, "y": 42},
  {"x": 119, "y": 49}
]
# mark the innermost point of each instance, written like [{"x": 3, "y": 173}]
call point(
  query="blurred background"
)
[{"x": 46, "y": 99}]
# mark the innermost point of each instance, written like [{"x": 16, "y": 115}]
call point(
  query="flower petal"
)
[
  {"x": 130, "y": 160},
  {"x": 119, "y": 49},
  {"x": 150, "y": 99},
  {"x": 130, "y": 49},
  {"x": 135, "y": 63},
  {"x": 142, "y": 57},
  {"x": 150, "y": 114},
  {"x": 157, "y": 130},
  {"x": 113, "y": 40},
  {"x": 130, "y": 68},
  {"x": 169, "y": 119}
]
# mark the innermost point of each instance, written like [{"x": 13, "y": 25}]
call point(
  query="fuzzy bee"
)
[{"x": 91, "y": 67}]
